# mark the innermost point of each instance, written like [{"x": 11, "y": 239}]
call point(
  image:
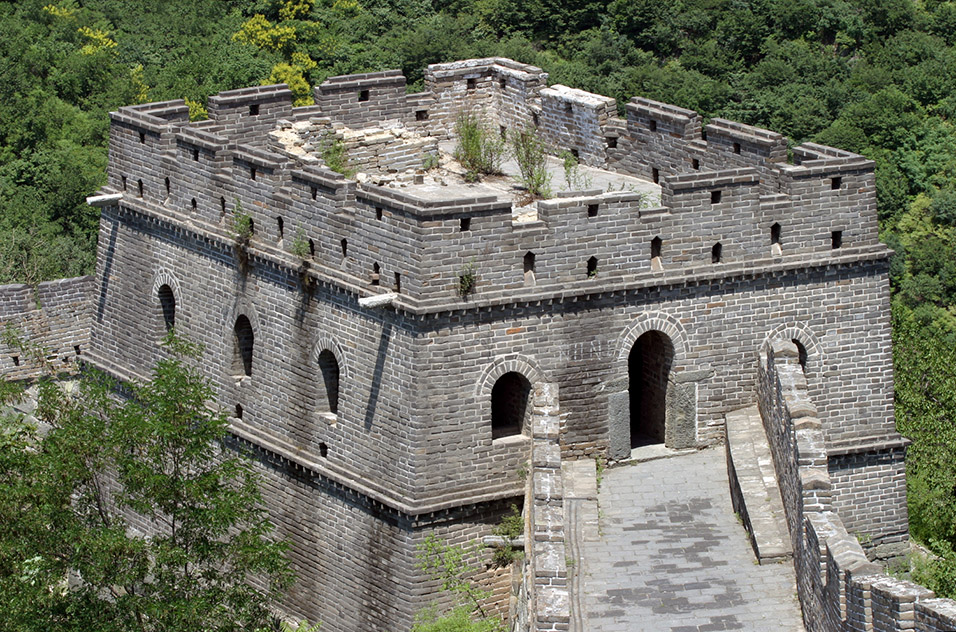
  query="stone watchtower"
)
[{"x": 379, "y": 339}]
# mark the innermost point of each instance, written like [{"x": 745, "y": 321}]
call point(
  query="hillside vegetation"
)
[{"x": 876, "y": 77}]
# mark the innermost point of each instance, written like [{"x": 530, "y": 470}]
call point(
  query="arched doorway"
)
[
  {"x": 510, "y": 405},
  {"x": 649, "y": 365}
]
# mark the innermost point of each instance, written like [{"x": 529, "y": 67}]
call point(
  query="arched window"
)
[
  {"x": 529, "y": 268},
  {"x": 775, "y": 246},
  {"x": 716, "y": 252},
  {"x": 167, "y": 301},
  {"x": 510, "y": 405},
  {"x": 329, "y": 389},
  {"x": 243, "y": 341},
  {"x": 592, "y": 267}
]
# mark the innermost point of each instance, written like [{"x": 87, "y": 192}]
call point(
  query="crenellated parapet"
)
[
  {"x": 377, "y": 332},
  {"x": 839, "y": 588},
  {"x": 727, "y": 193}
]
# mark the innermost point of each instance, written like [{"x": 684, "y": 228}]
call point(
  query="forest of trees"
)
[{"x": 876, "y": 77}]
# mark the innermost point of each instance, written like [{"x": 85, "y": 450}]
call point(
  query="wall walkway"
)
[{"x": 671, "y": 555}]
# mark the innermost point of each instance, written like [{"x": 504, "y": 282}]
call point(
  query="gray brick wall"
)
[
  {"x": 409, "y": 450},
  {"x": 54, "y": 316}
]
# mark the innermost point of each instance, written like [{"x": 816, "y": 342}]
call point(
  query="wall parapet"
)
[
  {"x": 544, "y": 590},
  {"x": 839, "y": 588},
  {"x": 728, "y": 196},
  {"x": 54, "y": 316}
]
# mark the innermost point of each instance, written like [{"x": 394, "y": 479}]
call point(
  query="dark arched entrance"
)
[
  {"x": 649, "y": 365},
  {"x": 510, "y": 405}
]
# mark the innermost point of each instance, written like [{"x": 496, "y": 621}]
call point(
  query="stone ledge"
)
[{"x": 756, "y": 495}]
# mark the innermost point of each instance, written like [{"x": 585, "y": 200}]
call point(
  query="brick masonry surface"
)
[{"x": 388, "y": 438}]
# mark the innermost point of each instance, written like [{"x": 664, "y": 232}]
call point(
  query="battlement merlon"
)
[{"x": 420, "y": 230}]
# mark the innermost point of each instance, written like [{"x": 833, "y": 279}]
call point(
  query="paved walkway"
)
[{"x": 671, "y": 555}]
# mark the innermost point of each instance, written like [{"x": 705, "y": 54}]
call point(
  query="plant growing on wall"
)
[
  {"x": 242, "y": 230},
  {"x": 335, "y": 155},
  {"x": 510, "y": 528},
  {"x": 303, "y": 252},
  {"x": 449, "y": 566},
  {"x": 479, "y": 150},
  {"x": 430, "y": 161},
  {"x": 300, "y": 246},
  {"x": 528, "y": 151},
  {"x": 573, "y": 176},
  {"x": 467, "y": 277}
]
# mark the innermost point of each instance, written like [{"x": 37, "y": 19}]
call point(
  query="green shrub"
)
[
  {"x": 479, "y": 150},
  {"x": 575, "y": 180},
  {"x": 467, "y": 279},
  {"x": 335, "y": 155},
  {"x": 242, "y": 226},
  {"x": 430, "y": 161},
  {"x": 300, "y": 246},
  {"x": 528, "y": 151},
  {"x": 510, "y": 528},
  {"x": 457, "y": 620}
]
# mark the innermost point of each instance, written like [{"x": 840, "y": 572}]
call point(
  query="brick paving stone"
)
[{"x": 671, "y": 555}]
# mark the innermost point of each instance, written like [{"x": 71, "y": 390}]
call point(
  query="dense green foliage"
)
[
  {"x": 873, "y": 76},
  {"x": 70, "y": 558}
]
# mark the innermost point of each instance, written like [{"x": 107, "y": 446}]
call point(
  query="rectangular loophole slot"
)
[
  {"x": 836, "y": 183},
  {"x": 196, "y": 155},
  {"x": 568, "y": 107},
  {"x": 421, "y": 115},
  {"x": 16, "y": 360},
  {"x": 611, "y": 142},
  {"x": 715, "y": 196},
  {"x": 652, "y": 125},
  {"x": 363, "y": 95},
  {"x": 534, "y": 118},
  {"x": 464, "y": 224},
  {"x": 695, "y": 163},
  {"x": 254, "y": 109},
  {"x": 655, "y": 175},
  {"x": 574, "y": 152},
  {"x": 592, "y": 210},
  {"x": 736, "y": 148},
  {"x": 471, "y": 83},
  {"x": 836, "y": 239},
  {"x": 502, "y": 83}
]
